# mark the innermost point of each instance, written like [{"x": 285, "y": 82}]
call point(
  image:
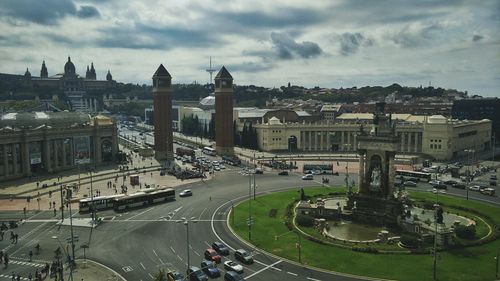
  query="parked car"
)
[
  {"x": 209, "y": 268},
  {"x": 440, "y": 186},
  {"x": 220, "y": 248},
  {"x": 259, "y": 171},
  {"x": 283, "y": 173},
  {"x": 195, "y": 274},
  {"x": 186, "y": 193},
  {"x": 451, "y": 182},
  {"x": 232, "y": 276},
  {"x": 243, "y": 256},
  {"x": 231, "y": 265},
  {"x": 175, "y": 276},
  {"x": 308, "y": 177},
  {"x": 493, "y": 177},
  {"x": 212, "y": 255},
  {"x": 410, "y": 183}
]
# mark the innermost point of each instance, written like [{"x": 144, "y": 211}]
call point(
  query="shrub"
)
[
  {"x": 465, "y": 232},
  {"x": 304, "y": 220},
  {"x": 370, "y": 250}
]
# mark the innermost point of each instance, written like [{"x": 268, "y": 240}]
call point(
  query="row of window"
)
[
  {"x": 435, "y": 140},
  {"x": 435, "y": 146},
  {"x": 276, "y": 131}
]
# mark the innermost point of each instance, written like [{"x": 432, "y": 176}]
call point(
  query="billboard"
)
[{"x": 81, "y": 147}]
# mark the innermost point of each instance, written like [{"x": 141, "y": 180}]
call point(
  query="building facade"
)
[
  {"x": 224, "y": 128},
  {"x": 478, "y": 109},
  {"x": 436, "y": 136},
  {"x": 47, "y": 142},
  {"x": 162, "y": 102}
]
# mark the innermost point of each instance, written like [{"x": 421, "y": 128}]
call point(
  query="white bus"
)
[
  {"x": 99, "y": 203},
  {"x": 209, "y": 151},
  {"x": 143, "y": 199}
]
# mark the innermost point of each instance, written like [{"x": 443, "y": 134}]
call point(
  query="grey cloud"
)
[
  {"x": 252, "y": 67},
  {"x": 152, "y": 37},
  {"x": 409, "y": 37},
  {"x": 88, "y": 12},
  {"x": 350, "y": 42},
  {"x": 288, "y": 48},
  {"x": 476, "y": 37},
  {"x": 42, "y": 12}
]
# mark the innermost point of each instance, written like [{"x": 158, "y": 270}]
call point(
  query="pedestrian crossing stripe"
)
[
  {"x": 33, "y": 260},
  {"x": 10, "y": 277},
  {"x": 27, "y": 263}
]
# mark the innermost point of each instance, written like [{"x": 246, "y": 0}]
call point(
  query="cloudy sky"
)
[{"x": 326, "y": 43}]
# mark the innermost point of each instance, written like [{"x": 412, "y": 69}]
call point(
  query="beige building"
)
[
  {"x": 46, "y": 142},
  {"x": 436, "y": 136}
]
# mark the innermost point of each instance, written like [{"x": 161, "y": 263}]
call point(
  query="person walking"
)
[
  {"x": 13, "y": 276},
  {"x": 16, "y": 236},
  {"x": 31, "y": 255},
  {"x": 30, "y": 276}
]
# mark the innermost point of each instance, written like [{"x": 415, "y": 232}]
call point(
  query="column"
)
[
  {"x": 97, "y": 149},
  {"x": 14, "y": 159},
  {"x": 355, "y": 142},
  {"x": 46, "y": 153},
  {"x": 64, "y": 164},
  {"x": 26, "y": 158},
  {"x": 56, "y": 154},
  {"x": 408, "y": 142},
  {"x": 390, "y": 184},
  {"x": 361, "y": 179},
  {"x": 342, "y": 141},
  {"x": 5, "y": 161},
  {"x": 416, "y": 142},
  {"x": 308, "y": 140}
]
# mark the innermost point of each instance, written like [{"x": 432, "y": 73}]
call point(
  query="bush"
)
[
  {"x": 465, "y": 232},
  {"x": 370, "y": 250},
  {"x": 304, "y": 220}
]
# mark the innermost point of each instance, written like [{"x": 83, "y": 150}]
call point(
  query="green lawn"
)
[{"x": 474, "y": 263}]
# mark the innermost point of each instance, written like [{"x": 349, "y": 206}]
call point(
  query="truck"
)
[{"x": 184, "y": 152}]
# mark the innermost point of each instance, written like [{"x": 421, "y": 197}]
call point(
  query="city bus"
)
[
  {"x": 318, "y": 168},
  {"x": 99, "y": 203},
  {"x": 141, "y": 198},
  {"x": 421, "y": 176},
  {"x": 209, "y": 151}
]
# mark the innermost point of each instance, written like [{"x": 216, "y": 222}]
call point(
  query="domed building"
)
[{"x": 74, "y": 86}]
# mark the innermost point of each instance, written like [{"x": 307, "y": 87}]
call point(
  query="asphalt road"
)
[{"x": 140, "y": 242}]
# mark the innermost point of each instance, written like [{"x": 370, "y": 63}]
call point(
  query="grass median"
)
[{"x": 268, "y": 212}]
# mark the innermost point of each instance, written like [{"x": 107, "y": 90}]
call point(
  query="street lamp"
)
[
  {"x": 469, "y": 178},
  {"x": 249, "y": 220},
  {"x": 296, "y": 232},
  {"x": 347, "y": 147},
  {"x": 70, "y": 267},
  {"x": 186, "y": 221},
  {"x": 496, "y": 258},
  {"x": 436, "y": 206}
]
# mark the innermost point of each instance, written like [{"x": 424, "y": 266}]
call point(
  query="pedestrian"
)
[
  {"x": 31, "y": 255},
  {"x": 18, "y": 278},
  {"x": 54, "y": 204},
  {"x": 13, "y": 276},
  {"x": 50, "y": 205},
  {"x": 30, "y": 276},
  {"x": 50, "y": 193},
  {"x": 37, "y": 184},
  {"x": 1, "y": 235},
  {"x": 55, "y": 212},
  {"x": 16, "y": 237}
]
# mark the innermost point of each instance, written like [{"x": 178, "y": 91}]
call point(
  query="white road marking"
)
[
  {"x": 136, "y": 215},
  {"x": 171, "y": 248},
  {"x": 312, "y": 279},
  {"x": 161, "y": 261},
  {"x": 179, "y": 257},
  {"x": 142, "y": 266},
  {"x": 197, "y": 253},
  {"x": 150, "y": 275},
  {"x": 269, "y": 266},
  {"x": 113, "y": 218},
  {"x": 291, "y": 273},
  {"x": 155, "y": 253}
]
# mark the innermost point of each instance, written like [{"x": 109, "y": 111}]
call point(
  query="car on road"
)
[
  {"x": 195, "y": 274},
  {"x": 222, "y": 167},
  {"x": 231, "y": 265},
  {"x": 440, "y": 186},
  {"x": 450, "y": 182},
  {"x": 217, "y": 168},
  {"x": 220, "y": 248},
  {"x": 209, "y": 268},
  {"x": 458, "y": 185},
  {"x": 243, "y": 256},
  {"x": 232, "y": 276},
  {"x": 410, "y": 183},
  {"x": 475, "y": 188},
  {"x": 175, "y": 276},
  {"x": 308, "y": 177},
  {"x": 212, "y": 255},
  {"x": 186, "y": 193},
  {"x": 259, "y": 171},
  {"x": 493, "y": 177},
  {"x": 488, "y": 191},
  {"x": 283, "y": 173}
]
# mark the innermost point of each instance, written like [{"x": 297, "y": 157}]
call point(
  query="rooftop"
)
[{"x": 62, "y": 119}]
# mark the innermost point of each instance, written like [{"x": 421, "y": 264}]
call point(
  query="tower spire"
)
[{"x": 210, "y": 70}]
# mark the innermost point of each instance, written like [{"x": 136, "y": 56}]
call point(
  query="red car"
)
[{"x": 212, "y": 255}]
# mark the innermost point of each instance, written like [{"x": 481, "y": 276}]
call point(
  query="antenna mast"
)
[{"x": 210, "y": 70}]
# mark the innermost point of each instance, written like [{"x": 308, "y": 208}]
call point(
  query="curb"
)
[{"x": 106, "y": 267}]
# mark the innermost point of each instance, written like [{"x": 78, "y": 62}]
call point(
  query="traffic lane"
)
[{"x": 473, "y": 195}]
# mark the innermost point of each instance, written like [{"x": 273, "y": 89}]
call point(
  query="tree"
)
[
  {"x": 211, "y": 128},
  {"x": 304, "y": 220},
  {"x": 236, "y": 135},
  {"x": 465, "y": 232}
]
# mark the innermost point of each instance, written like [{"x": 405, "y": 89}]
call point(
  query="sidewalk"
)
[{"x": 92, "y": 271}]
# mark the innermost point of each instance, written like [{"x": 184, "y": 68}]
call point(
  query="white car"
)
[
  {"x": 231, "y": 265},
  {"x": 475, "y": 188},
  {"x": 217, "y": 168},
  {"x": 222, "y": 167}
]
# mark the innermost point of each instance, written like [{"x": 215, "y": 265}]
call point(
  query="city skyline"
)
[{"x": 450, "y": 44}]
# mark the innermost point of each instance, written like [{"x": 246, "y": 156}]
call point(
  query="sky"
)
[{"x": 327, "y": 43}]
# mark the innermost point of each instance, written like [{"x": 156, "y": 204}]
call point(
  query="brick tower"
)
[
  {"x": 162, "y": 115},
  {"x": 224, "y": 135}
]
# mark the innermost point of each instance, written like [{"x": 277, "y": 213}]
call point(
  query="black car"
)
[
  {"x": 175, "y": 276},
  {"x": 195, "y": 274},
  {"x": 209, "y": 268},
  {"x": 283, "y": 173},
  {"x": 232, "y": 276},
  {"x": 450, "y": 182},
  {"x": 243, "y": 256},
  {"x": 220, "y": 248},
  {"x": 458, "y": 185},
  {"x": 440, "y": 186}
]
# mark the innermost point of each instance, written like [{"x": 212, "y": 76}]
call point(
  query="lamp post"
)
[
  {"x": 496, "y": 259},
  {"x": 186, "y": 221},
  {"x": 69, "y": 195},
  {"x": 249, "y": 220},
  {"x": 296, "y": 232},
  {"x": 493, "y": 151},
  {"x": 468, "y": 179},
  {"x": 70, "y": 267},
  {"x": 347, "y": 147},
  {"x": 436, "y": 206}
]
